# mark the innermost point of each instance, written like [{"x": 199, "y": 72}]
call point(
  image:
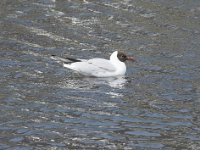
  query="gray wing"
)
[
  {"x": 66, "y": 60},
  {"x": 93, "y": 67},
  {"x": 101, "y": 64}
]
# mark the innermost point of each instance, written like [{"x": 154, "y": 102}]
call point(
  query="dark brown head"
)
[{"x": 123, "y": 57}]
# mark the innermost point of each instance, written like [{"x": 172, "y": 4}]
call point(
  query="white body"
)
[{"x": 99, "y": 67}]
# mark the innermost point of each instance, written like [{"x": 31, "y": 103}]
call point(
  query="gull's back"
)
[{"x": 93, "y": 67}]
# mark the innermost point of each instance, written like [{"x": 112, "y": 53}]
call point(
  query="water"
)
[{"x": 45, "y": 106}]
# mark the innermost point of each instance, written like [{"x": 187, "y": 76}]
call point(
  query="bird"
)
[{"x": 98, "y": 67}]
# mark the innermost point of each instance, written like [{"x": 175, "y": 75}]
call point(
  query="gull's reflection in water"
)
[
  {"x": 110, "y": 86},
  {"x": 78, "y": 82},
  {"x": 117, "y": 82},
  {"x": 114, "y": 82}
]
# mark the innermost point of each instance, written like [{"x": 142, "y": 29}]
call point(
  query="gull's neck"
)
[{"x": 120, "y": 66}]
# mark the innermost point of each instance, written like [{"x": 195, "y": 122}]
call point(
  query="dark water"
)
[{"x": 45, "y": 106}]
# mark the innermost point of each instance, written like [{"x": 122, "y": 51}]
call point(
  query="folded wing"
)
[{"x": 93, "y": 67}]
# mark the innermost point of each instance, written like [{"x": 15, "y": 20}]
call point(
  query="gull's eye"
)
[{"x": 123, "y": 56}]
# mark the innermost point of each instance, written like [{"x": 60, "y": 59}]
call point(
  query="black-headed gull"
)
[{"x": 98, "y": 67}]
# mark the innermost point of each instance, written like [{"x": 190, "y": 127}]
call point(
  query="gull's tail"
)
[{"x": 66, "y": 60}]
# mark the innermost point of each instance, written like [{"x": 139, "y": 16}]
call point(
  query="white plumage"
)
[{"x": 99, "y": 67}]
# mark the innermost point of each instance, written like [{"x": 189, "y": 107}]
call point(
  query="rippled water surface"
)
[{"x": 45, "y": 106}]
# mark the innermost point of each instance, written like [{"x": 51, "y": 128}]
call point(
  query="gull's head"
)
[{"x": 121, "y": 56}]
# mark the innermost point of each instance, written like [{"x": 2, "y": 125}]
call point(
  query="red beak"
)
[{"x": 131, "y": 59}]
